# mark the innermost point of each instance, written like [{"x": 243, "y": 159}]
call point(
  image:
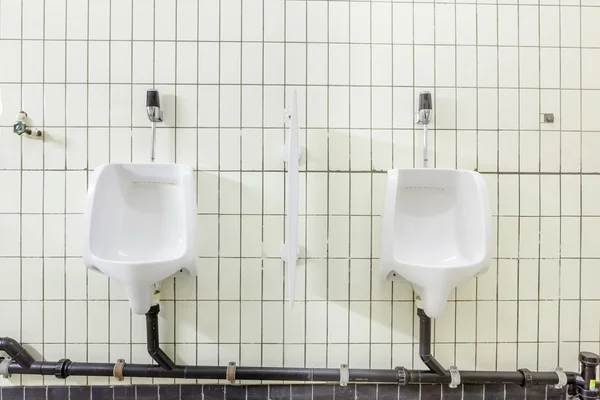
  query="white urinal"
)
[
  {"x": 436, "y": 232},
  {"x": 140, "y": 226}
]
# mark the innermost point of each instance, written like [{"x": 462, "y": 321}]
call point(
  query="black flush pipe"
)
[
  {"x": 425, "y": 345},
  {"x": 161, "y": 358}
]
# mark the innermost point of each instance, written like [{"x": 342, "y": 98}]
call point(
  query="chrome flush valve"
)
[
  {"x": 153, "y": 110},
  {"x": 425, "y": 107}
]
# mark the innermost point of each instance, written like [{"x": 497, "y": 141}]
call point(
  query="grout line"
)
[
  {"x": 518, "y": 182},
  {"x": 262, "y": 185},
  {"x": 333, "y": 172},
  {"x": 497, "y": 179},
  {"x": 64, "y": 263},
  {"x": 153, "y": 380},
  {"x": 196, "y": 287},
  {"x": 43, "y": 333},
  {"x": 97, "y": 127},
  {"x": 285, "y": 182},
  {"x": 20, "y": 378},
  {"x": 349, "y": 177},
  {"x": 539, "y": 180},
  {"x": 87, "y": 177},
  {"x": 241, "y": 116},
  {"x": 108, "y": 303},
  {"x": 477, "y": 136},
  {"x": 219, "y": 231},
  {"x": 580, "y": 168},
  {"x": 560, "y": 202},
  {"x": 394, "y": 286},
  {"x": 334, "y": 42},
  {"x": 306, "y": 219},
  {"x": 455, "y": 291},
  {"x": 300, "y": 85},
  {"x": 131, "y": 72},
  {"x": 166, "y": 131},
  {"x": 413, "y": 108}
]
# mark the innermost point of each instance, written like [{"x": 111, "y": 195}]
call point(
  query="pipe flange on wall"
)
[
  {"x": 455, "y": 377},
  {"x": 4, "y": 367}
]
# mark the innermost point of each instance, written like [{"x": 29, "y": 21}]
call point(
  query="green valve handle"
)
[{"x": 19, "y": 128}]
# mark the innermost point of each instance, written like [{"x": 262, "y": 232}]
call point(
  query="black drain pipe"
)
[
  {"x": 22, "y": 362},
  {"x": 398, "y": 376},
  {"x": 154, "y": 349},
  {"x": 425, "y": 345}
]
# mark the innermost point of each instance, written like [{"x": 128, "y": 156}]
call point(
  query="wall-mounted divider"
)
[{"x": 290, "y": 251}]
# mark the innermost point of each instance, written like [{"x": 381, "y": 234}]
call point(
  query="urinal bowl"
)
[
  {"x": 436, "y": 231},
  {"x": 140, "y": 226}
]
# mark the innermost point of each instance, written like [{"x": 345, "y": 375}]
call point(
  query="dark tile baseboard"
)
[{"x": 282, "y": 392}]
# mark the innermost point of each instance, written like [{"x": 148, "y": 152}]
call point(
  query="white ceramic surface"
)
[
  {"x": 436, "y": 231},
  {"x": 290, "y": 247},
  {"x": 140, "y": 226}
]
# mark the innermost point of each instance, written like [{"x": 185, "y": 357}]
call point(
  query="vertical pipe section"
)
[
  {"x": 589, "y": 363},
  {"x": 153, "y": 153},
  {"x": 152, "y": 339},
  {"x": 425, "y": 149},
  {"x": 425, "y": 345}
]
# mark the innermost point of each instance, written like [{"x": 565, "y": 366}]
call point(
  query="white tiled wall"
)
[{"x": 225, "y": 70}]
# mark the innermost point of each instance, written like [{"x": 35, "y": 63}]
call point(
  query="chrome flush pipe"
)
[
  {"x": 423, "y": 117},
  {"x": 155, "y": 115}
]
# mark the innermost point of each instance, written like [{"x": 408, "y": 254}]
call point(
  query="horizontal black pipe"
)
[
  {"x": 397, "y": 376},
  {"x": 484, "y": 377},
  {"x": 16, "y": 351},
  {"x": 23, "y": 363}
]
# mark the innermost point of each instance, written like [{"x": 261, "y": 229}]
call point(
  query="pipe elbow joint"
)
[
  {"x": 16, "y": 352},
  {"x": 161, "y": 358}
]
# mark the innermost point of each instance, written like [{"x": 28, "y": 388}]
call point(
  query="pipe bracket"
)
[
  {"x": 527, "y": 377},
  {"x": 562, "y": 378},
  {"x": 344, "y": 375},
  {"x": 118, "y": 369},
  {"x": 60, "y": 370},
  {"x": 454, "y": 377},
  {"x": 4, "y": 367},
  {"x": 231, "y": 372}
]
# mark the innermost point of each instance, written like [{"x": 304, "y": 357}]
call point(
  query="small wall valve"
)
[
  {"x": 20, "y": 126},
  {"x": 547, "y": 118}
]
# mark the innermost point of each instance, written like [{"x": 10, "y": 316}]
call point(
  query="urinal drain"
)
[
  {"x": 153, "y": 183},
  {"x": 423, "y": 187}
]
